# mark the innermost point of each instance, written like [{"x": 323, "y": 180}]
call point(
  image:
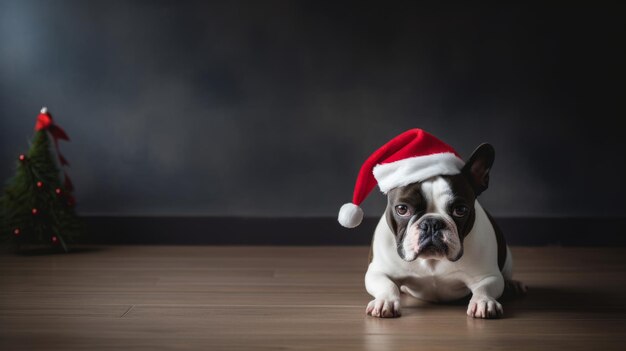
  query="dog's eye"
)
[
  {"x": 460, "y": 211},
  {"x": 402, "y": 210}
]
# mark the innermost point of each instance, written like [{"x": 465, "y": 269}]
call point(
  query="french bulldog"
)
[{"x": 436, "y": 243}]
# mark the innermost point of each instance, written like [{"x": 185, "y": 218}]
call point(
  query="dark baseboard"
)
[{"x": 110, "y": 230}]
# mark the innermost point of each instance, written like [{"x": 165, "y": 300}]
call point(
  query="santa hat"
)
[{"x": 411, "y": 157}]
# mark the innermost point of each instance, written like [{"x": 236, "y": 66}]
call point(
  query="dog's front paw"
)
[
  {"x": 383, "y": 308},
  {"x": 484, "y": 307}
]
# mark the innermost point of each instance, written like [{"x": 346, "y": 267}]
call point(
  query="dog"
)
[{"x": 435, "y": 242}]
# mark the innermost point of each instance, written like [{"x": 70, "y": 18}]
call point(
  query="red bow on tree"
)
[{"x": 45, "y": 122}]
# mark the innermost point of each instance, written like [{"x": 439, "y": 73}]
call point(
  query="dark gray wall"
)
[{"x": 268, "y": 108}]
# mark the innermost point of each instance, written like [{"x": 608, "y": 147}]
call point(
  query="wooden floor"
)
[{"x": 242, "y": 298}]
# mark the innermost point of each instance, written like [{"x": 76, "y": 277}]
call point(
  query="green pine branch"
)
[{"x": 35, "y": 207}]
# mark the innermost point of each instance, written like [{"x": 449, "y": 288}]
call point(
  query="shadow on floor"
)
[
  {"x": 565, "y": 300},
  {"x": 540, "y": 299}
]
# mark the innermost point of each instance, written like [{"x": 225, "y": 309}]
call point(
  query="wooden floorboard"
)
[{"x": 301, "y": 298}]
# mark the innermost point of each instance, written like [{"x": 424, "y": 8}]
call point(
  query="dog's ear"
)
[{"x": 477, "y": 168}]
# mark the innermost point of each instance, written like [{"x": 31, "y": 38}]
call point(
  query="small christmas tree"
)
[{"x": 37, "y": 205}]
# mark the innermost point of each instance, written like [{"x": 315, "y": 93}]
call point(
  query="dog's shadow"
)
[
  {"x": 565, "y": 301},
  {"x": 568, "y": 301}
]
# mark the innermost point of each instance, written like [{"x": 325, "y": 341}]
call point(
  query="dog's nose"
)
[{"x": 431, "y": 225}]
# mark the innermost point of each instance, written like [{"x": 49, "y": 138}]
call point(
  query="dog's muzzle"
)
[{"x": 431, "y": 236}]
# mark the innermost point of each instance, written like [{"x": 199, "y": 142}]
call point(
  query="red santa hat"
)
[{"x": 411, "y": 157}]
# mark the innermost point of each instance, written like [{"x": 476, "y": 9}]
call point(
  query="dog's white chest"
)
[{"x": 431, "y": 282}]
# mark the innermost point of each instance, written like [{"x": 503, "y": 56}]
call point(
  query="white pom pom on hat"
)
[
  {"x": 350, "y": 215},
  {"x": 410, "y": 157}
]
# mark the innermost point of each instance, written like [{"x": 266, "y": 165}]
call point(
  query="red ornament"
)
[
  {"x": 22, "y": 157},
  {"x": 57, "y": 191},
  {"x": 39, "y": 184},
  {"x": 54, "y": 239},
  {"x": 17, "y": 231},
  {"x": 34, "y": 211},
  {"x": 44, "y": 122}
]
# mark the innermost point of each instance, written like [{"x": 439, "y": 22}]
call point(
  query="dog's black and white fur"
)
[{"x": 436, "y": 243}]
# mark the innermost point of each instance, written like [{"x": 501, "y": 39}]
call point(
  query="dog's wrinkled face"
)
[{"x": 431, "y": 218}]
